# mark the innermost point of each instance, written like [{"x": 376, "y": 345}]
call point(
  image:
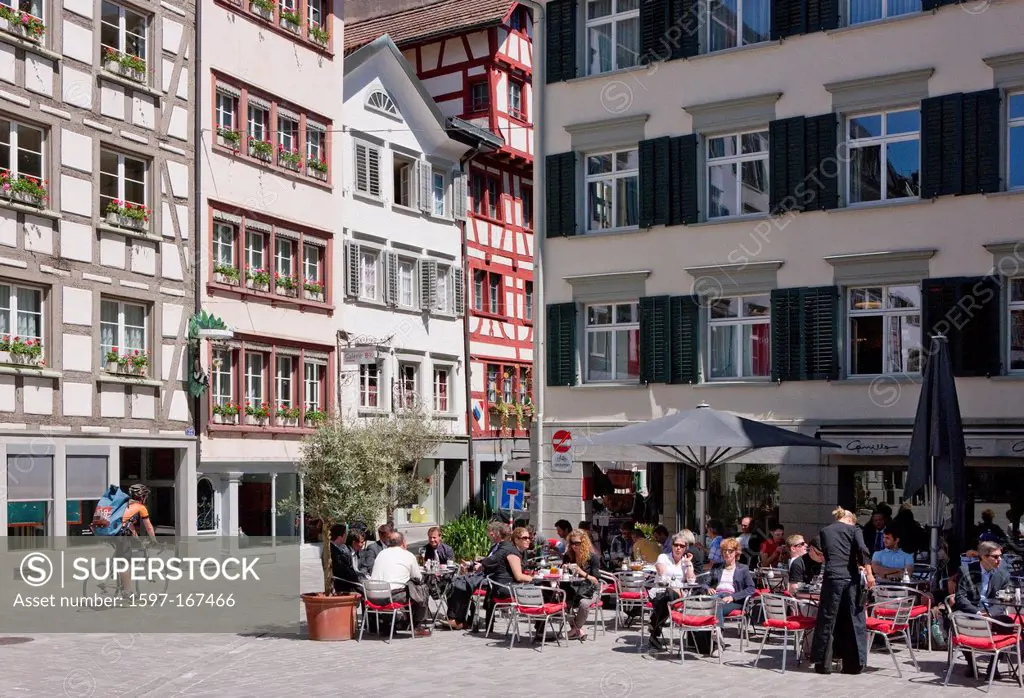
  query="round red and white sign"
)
[{"x": 561, "y": 442}]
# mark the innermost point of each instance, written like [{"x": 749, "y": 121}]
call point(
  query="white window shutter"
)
[
  {"x": 392, "y": 278},
  {"x": 426, "y": 186},
  {"x": 460, "y": 193},
  {"x": 352, "y": 268},
  {"x": 362, "y": 168},
  {"x": 460, "y": 291}
]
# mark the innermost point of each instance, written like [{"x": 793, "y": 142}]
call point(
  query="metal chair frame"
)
[
  {"x": 697, "y": 607},
  {"x": 919, "y": 598},
  {"x": 981, "y": 628},
  {"x": 379, "y": 590},
  {"x": 527, "y": 596},
  {"x": 900, "y": 608},
  {"x": 777, "y": 607}
]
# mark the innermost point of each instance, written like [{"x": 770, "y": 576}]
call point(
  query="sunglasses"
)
[
  {"x": 679, "y": 545},
  {"x": 523, "y": 538},
  {"x": 730, "y": 552},
  {"x": 575, "y": 542},
  {"x": 994, "y": 557},
  {"x": 799, "y": 545}
]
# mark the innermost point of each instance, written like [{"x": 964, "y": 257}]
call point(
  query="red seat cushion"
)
[
  {"x": 632, "y": 595},
  {"x": 886, "y": 627},
  {"x": 792, "y": 623},
  {"x": 980, "y": 643},
  {"x": 915, "y": 612},
  {"x": 693, "y": 621},
  {"x": 545, "y": 610},
  {"x": 393, "y": 606},
  {"x": 480, "y": 592},
  {"x": 507, "y": 602},
  {"x": 735, "y": 613},
  {"x": 607, "y": 589}
]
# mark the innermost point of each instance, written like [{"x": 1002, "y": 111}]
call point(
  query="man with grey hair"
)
[
  {"x": 463, "y": 586},
  {"x": 979, "y": 584},
  {"x": 398, "y": 566}
]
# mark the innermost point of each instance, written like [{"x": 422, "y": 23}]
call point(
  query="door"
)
[{"x": 254, "y": 507}]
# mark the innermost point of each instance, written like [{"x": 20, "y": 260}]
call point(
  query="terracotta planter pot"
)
[{"x": 331, "y": 618}]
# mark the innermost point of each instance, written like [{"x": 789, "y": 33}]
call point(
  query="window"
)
[
  {"x": 381, "y": 101},
  {"x": 518, "y": 20},
  {"x": 887, "y": 142},
  {"x": 885, "y": 330},
  {"x": 284, "y": 257},
  {"x": 123, "y": 31},
  {"x": 492, "y": 383},
  {"x": 227, "y": 111},
  {"x": 33, "y": 7},
  {"x": 1015, "y": 140},
  {"x": 206, "y": 507},
  {"x": 445, "y": 290},
  {"x": 122, "y": 178},
  {"x": 315, "y": 13},
  {"x": 868, "y": 10},
  {"x": 283, "y": 381},
  {"x": 440, "y": 193},
  {"x": 255, "y": 249},
  {"x": 494, "y": 294},
  {"x": 21, "y": 312},
  {"x": 612, "y": 342},
  {"x": 527, "y": 207},
  {"x": 224, "y": 244},
  {"x": 524, "y": 385},
  {"x": 254, "y": 395},
  {"x": 223, "y": 374},
  {"x": 368, "y": 169},
  {"x": 1016, "y": 324},
  {"x": 122, "y": 327},
  {"x": 479, "y": 96},
  {"x": 368, "y": 377},
  {"x": 735, "y": 23},
  {"x": 739, "y": 336},
  {"x": 528, "y": 301},
  {"x": 406, "y": 283},
  {"x": 287, "y": 134},
  {"x": 316, "y": 144},
  {"x": 259, "y": 121},
  {"x": 479, "y": 283},
  {"x": 440, "y": 389},
  {"x": 312, "y": 263},
  {"x": 407, "y": 386},
  {"x": 404, "y": 186},
  {"x": 613, "y": 193},
  {"x": 506, "y": 386},
  {"x": 737, "y": 174},
  {"x": 368, "y": 266},
  {"x": 314, "y": 380},
  {"x": 515, "y": 100},
  {"x": 486, "y": 193},
  {"x": 613, "y": 35},
  {"x": 21, "y": 150}
]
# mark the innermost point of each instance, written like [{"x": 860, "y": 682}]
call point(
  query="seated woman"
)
[
  {"x": 731, "y": 583},
  {"x": 678, "y": 564},
  {"x": 588, "y": 567}
]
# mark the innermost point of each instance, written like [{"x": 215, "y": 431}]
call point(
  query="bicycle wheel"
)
[
  {"x": 102, "y": 587},
  {"x": 156, "y": 585}
]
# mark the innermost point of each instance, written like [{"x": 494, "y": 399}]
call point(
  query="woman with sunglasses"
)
[
  {"x": 679, "y": 563},
  {"x": 587, "y": 569}
]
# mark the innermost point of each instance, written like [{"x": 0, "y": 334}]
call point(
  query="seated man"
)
[
  {"x": 663, "y": 538},
  {"x": 622, "y": 544},
  {"x": 437, "y": 549},
  {"x": 374, "y": 548},
  {"x": 977, "y": 586},
  {"x": 398, "y": 566},
  {"x": 646, "y": 548},
  {"x": 345, "y": 560},
  {"x": 463, "y": 586},
  {"x": 891, "y": 562},
  {"x": 774, "y": 548},
  {"x": 564, "y": 528},
  {"x": 798, "y": 569}
]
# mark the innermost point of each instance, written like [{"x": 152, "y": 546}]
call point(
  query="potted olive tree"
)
[{"x": 353, "y": 472}]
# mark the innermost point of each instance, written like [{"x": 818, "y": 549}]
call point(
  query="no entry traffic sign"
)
[{"x": 561, "y": 442}]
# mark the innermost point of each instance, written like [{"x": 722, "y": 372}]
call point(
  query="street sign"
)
[
  {"x": 360, "y": 355},
  {"x": 512, "y": 493},
  {"x": 561, "y": 442},
  {"x": 561, "y": 451}
]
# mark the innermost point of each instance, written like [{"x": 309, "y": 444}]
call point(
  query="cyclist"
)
[{"x": 135, "y": 514}]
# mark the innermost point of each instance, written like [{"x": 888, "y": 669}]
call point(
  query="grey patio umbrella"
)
[
  {"x": 937, "y": 451},
  {"x": 703, "y": 438}
]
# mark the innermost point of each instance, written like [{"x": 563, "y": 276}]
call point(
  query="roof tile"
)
[{"x": 420, "y": 23}]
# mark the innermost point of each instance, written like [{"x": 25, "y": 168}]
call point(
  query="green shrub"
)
[{"x": 468, "y": 536}]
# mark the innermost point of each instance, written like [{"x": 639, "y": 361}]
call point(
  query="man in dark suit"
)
[
  {"x": 874, "y": 530},
  {"x": 436, "y": 549},
  {"x": 372, "y": 550},
  {"x": 978, "y": 586},
  {"x": 345, "y": 560}
]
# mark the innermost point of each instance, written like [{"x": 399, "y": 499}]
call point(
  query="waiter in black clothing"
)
[{"x": 841, "y": 626}]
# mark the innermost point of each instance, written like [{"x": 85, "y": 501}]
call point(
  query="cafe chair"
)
[
  {"x": 379, "y": 600},
  {"x": 501, "y": 602},
  {"x": 696, "y": 614},
  {"x": 891, "y": 618},
  {"x": 783, "y": 613},
  {"x": 774, "y": 580},
  {"x": 631, "y": 594},
  {"x": 529, "y": 604},
  {"x": 920, "y": 611},
  {"x": 740, "y": 618},
  {"x": 981, "y": 635}
]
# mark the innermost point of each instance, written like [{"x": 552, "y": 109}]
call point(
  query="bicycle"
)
[{"x": 115, "y": 587}]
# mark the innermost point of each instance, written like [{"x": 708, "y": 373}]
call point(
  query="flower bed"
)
[
  {"x": 288, "y": 416},
  {"x": 225, "y": 414},
  {"x": 319, "y": 34},
  {"x": 258, "y": 279},
  {"x": 291, "y": 20},
  {"x": 317, "y": 168},
  {"x": 290, "y": 159},
  {"x": 226, "y": 274},
  {"x": 25, "y": 352},
  {"x": 257, "y": 414},
  {"x": 263, "y": 8},
  {"x": 229, "y": 138},
  {"x": 23, "y": 189},
  {"x": 21, "y": 23},
  {"x": 125, "y": 214},
  {"x": 125, "y": 64},
  {"x": 129, "y": 362},
  {"x": 285, "y": 285},
  {"x": 261, "y": 150},
  {"x": 313, "y": 290}
]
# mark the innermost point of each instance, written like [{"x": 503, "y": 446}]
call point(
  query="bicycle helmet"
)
[{"x": 138, "y": 491}]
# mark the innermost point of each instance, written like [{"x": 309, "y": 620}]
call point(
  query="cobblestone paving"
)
[{"x": 447, "y": 664}]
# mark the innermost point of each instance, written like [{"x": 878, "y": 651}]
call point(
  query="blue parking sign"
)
[{"x": 512, "y": 493}]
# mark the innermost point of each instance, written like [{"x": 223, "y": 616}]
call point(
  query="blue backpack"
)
[{"x": 107, "y": 519}]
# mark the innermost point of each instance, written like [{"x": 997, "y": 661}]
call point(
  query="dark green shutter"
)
[
  {"x": 655, "y": 181},
  {"x": 654, "y": 40},
  {"x": 561, "y": 194},
  {"x": 655, "y": 344},
  {"x": 981, "y": 157},
  {"x": 561, "y": 344},
  {"x": 789, "y": 18},
  {"x": 822, "y": 15},
  {"x": 685, "y": 339},
  {"x": 685, "y": 20},
  {"x": 686, "y": 153},
  {"x": 787, "y": 346},
  {"x": 942, "y": 146},
  {"x": 967, "y": 311},
  {"x": 785, "y": 163},
  {"x": 647, "y": 177},
  {"x": 805, "y": 330},
  {"x": 561, "y": 40},
  {"x": 821, "y": 163}
]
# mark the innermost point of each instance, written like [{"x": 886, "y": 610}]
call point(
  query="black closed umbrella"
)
[
  {"x": 937, "y": 451},
  {"x": 702, "y": 438}
]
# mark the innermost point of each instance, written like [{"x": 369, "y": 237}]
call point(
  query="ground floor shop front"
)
[{"x": 797, "y": 487}]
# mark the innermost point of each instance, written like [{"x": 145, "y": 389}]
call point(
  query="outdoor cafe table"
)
[{"x": 439, "y": 582}]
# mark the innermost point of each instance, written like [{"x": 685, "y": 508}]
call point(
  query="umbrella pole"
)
[
  {"x": 933, "y": 512},
  {"x": 702, "y": 488}
]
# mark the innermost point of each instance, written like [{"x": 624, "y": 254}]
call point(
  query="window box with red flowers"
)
[
  {"x": 125, "y": 214},
  {"x": 257, "y": 279},
  {"x": 261, "y": 150},
  {"x": 225, "y": 274},
  {"x": 314, "y": 290},
  {"x": 319, "y": 34},
  {"x": 225, "y": 414},
  {"x": 288, "y": 416},
  {"x": 314, "y": 418},
  {"x": 127, "y": 363},
  {"x": 285, "y": 285},
  {"x": 263, "y": 8},
  {"x": 291, "y": 20},
  {"x": 289, "y": 159},
  {"x": 21, "y": 23},
  {"x": 24, "y": 352},
  {"x": 317, "y": 168},
  {"x": 230, "y": 138},
  {"x": 257, "y": 414},
  {"x": 124, "y": 64},
  {"x": 22, "y": 189}
]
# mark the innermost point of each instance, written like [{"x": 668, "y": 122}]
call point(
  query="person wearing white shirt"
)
[
  {"x": 398, "y": 566},
  {"x": 679, "y": 563}
]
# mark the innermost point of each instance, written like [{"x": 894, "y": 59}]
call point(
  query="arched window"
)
[
  {"x": 382, "y": 102},
  {"x": 206, "y": 507}
]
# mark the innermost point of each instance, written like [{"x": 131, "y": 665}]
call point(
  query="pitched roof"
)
[{"x": 419, "y": 23}]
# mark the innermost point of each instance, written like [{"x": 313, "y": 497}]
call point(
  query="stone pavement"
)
[{"x": 447, "y": 664}]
